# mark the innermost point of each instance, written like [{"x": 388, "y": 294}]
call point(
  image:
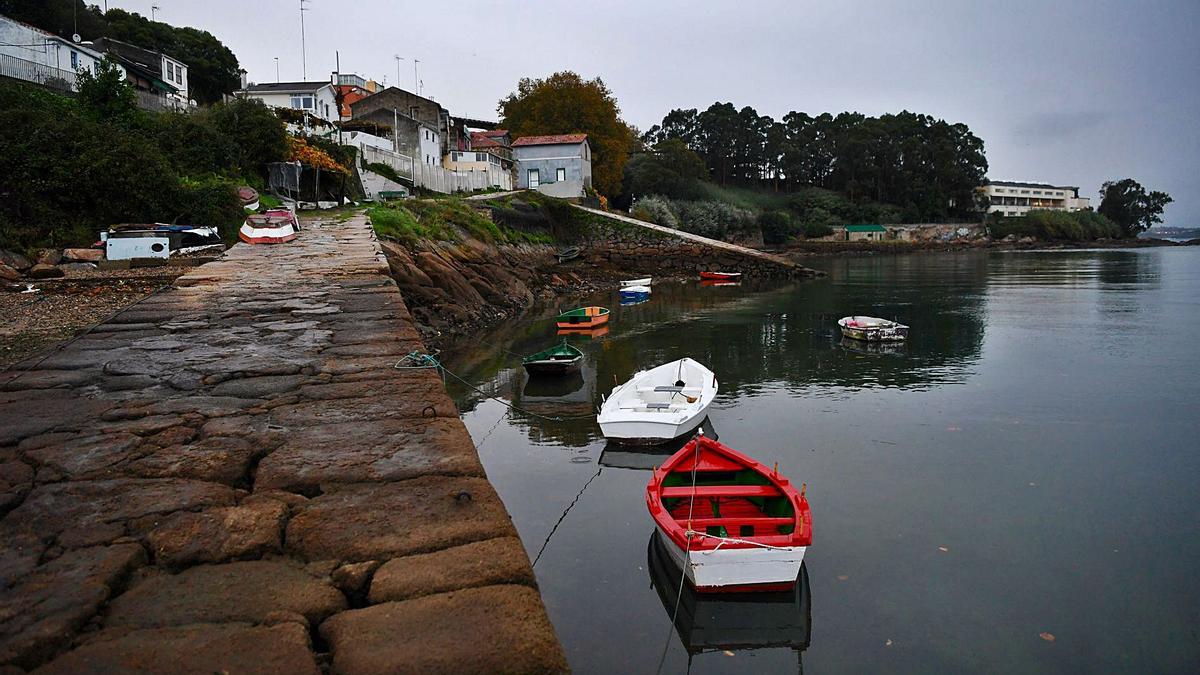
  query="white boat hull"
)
[
  {"x": 644, "y": 281},
  {"x": 729, "y": 568},
  {"x": 658, "y": 405}
]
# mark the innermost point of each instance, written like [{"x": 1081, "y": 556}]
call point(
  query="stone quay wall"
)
[
  {"x": 231, "y": 476},
  {"x": 614, "y": 239}
]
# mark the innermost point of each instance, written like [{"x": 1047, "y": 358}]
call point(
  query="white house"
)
[
  {"x": 1011, "y": 198},
  {"x": 560, "y": 166},
  {"x": 34, "y": 55},
  {"x": 315, "y": 98},
  {"x": 430, "y": 145},
  {"x": 149, "y": 71}
]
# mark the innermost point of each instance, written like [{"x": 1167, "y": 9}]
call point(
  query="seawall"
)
[{"x": 231, "y": 476}]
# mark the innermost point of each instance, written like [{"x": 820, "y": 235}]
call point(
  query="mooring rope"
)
[
  {"x": 683, "y": 571},
  {"x": 731, "y": 540},
  {"x": 419, "y": 360},
  {"x": 564, "y": 516}
]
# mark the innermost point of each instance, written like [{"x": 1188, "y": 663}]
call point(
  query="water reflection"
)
[
  {"x": 731, "y": 621},
  {"x": 647, "y": 457}
]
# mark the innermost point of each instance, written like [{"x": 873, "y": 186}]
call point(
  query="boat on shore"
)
[
  {"x": 658, "y": 405},
  {"x": 732, "y": 524},
  {"x": 872, "y": 329},
  {"x": 721, "y": 276},
  {"x": 560, "y": 359},
  {"x": 276, "y": 226},
  {"x": 249, "y": 198},
  {"x": 709, "y": 622},
  {"x": 583, "y": 317},
  {"x": 644, "y": 281}
]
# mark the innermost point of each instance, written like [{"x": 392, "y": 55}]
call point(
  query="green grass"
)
[
  {"x": 269, "y": 201},
  {"x": 449, "y": 219}
]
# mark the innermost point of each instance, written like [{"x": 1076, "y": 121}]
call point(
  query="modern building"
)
[
  {"x": 872, "y": 232},
  {"x": 1016, "y": 199},
  {"x": 560, "y": 166},
  {"x": 316, "y": 98},
  {"x": 34, "y": 55}
]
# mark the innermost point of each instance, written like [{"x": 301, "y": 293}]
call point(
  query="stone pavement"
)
[{"x": 230, "y": 476}]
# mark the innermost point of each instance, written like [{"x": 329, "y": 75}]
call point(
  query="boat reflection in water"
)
[
  {"x": 865, "y": 347},
  {"x": 590, "y": 333},
  {"x": 631, "y": 300},
  {"x": 720, "y": 282},
  {"x": 731, "y": 621},
  {"x": 646, "y": 457}
]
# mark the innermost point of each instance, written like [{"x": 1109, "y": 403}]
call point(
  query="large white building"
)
[
  {"x": 34, "y": 55},
  {"x": 1011, "y": 198}
]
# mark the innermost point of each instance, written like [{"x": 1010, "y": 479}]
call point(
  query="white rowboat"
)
[
  {"x": 644, "y": 281},
  {"x": 872, "y": 329},
  {"x": 659, "y": 404}
]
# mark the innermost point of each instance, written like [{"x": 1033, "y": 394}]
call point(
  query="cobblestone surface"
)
[{"x": 207, "y": 480}]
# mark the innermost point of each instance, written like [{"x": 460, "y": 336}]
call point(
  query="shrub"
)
[
  {"x": 1055, "y": 225},
  {"x": 817, "y": 230},
  {"x": 656, "y": 210},
  {"x": 210, "y": 201},
  {"x": 714, "y": 219},
  {"x": 777, "y": 226}
]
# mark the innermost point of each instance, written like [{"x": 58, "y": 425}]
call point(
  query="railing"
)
[
  {"x": 47, "y": 76},
  {"x": 437, "y": 178}
]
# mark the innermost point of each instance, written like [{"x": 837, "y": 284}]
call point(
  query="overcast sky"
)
[{"x": 1068, "y": 92}]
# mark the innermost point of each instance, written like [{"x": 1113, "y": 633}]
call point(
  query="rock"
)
[
  {"x": 16, "y": 479},
  {"x": 8, "y": 273},
  {"x": 49, "y": 256},
  {"x": 43, "y": 611},
  {"x": 433, "y": 634},
  {"x": 382, "y": 450},
  {"x": 482, "y": 563},
  {"x": 83, "y": 254},
  {"x": 218, "y": 535},
  {"x": 246, "y": 591},
  {"x": 15, "y": 260},
  {"x": 43, "y": 271},
  {"x": 193, "y": 650},
  {"x": 20, "y": 553},
  {"x": 84, "y": 513},
  {"x": 219, "y": 459},
  {"x": 381, "y": 521},
  {"x": 76, "y": 266},
  {"x": 354, "y": 577}
]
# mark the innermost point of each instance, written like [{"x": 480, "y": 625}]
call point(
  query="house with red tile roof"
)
[{"x": 559, "y": 165}]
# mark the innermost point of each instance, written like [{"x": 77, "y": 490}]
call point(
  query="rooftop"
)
[
  {"x": 285, "y": 87},
  {"x": 865, "y": 228},
  {"x": 560, "y": 139},
  {"x": 1009, "y": 183}
]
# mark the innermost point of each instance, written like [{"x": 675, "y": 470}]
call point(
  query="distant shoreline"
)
[{"x": 853, "y": 248}]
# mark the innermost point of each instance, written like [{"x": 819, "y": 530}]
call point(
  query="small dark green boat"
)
[{"x": 560, "y": 359}]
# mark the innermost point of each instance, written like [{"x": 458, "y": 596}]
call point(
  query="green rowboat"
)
[{"x": 560, "y": 359}]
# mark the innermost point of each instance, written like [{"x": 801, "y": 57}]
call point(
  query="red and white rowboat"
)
[
  {"x": 721, "y": 276},
  {"x": 276, "y": 226},
  {"x": 741, "y": 527}
]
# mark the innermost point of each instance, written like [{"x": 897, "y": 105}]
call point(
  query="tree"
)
[
  {"x": 61, "y": 17},
  {"x": 669, "y": 169},
  {"x": 1126, "y": 203},
  {"x": 212, "y": 67},
  {"x": 106, "y": 95},
  {"x": 565, "y": 103}
]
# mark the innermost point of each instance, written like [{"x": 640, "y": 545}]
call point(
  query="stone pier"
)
[{"x": 231, "y": 476}]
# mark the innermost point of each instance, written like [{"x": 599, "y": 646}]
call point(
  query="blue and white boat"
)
[{"x": 635, "y": 293}]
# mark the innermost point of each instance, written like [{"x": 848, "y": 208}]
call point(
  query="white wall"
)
[
  {"x": 42, "y": 56},
  {"x": 431, "y": 148},
  {"x": 324, "y": 103},
  {"x": 180, "y": 81}
]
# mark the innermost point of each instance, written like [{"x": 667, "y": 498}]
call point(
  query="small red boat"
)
[
  {"x": 276, "y": 226},
  {"x": 739, "y": 527},
  {"x": 721, "y": 276}
]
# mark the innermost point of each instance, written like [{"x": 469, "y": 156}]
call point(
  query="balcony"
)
[{"x": 47, "y": 76}]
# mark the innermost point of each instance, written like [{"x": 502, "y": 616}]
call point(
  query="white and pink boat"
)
[
  {"x": 732, "y": 524},
  {"x": 276, "y": 226}
]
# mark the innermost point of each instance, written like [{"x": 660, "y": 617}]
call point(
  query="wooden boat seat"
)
[
  {"x": 735, "y": 521},
  {"x": 669, "y": 390},
  {"x": 721, "y": 491}
]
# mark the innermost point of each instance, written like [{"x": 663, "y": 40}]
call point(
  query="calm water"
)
[{"x": 1028, "y": 463}]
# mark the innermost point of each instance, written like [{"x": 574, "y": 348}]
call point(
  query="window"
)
[
  {"x": 74, "y": 60},
  {"x": 560, "y": 174},
  {"x": 1037, "y": 192},
  {"x": 480, "y": 157},
  {"x": 533, "y": 178},
  {"x": 302, "y": 102},
  {"x": 1024, "y": 192}
]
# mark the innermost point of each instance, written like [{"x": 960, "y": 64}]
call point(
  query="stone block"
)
[
  {"x": 482, "y": 563},
  {"x": 218, "y": 535},
  {"x": 249, "y": 591},
  {"x": 41, "y": 614},
  {"x": 44, "y": 271},
  {"x": 382, "y": 450},
  {"x": 494, "y": 629},
  {"x": 192, "y": 650},
  {"x": 362, "y": 522}
]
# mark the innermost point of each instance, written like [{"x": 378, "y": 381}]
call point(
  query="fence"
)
[
  {"x": 47, "y": 76},
  {"x": 436, "y": 178}
]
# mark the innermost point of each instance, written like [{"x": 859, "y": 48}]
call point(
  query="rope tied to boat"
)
[
  {"x": 416, "y": 360},
  {"x": 730, "y": 540}
]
